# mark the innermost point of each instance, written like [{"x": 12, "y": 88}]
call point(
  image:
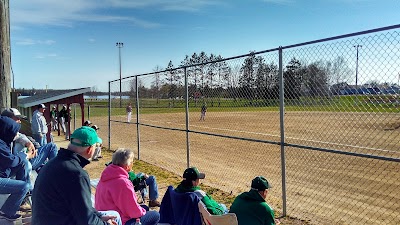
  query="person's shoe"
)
[
  {"x": 96, "y": 159},
  {"x": 26, "y": 203},
  {"x": 154, "y": 203},
  {"x": 25, "y": 207},
  {"x": 9, "y": 218},
  {"x": 100, "y": 156}
]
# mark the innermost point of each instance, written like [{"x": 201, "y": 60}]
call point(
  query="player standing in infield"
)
[{"x": 203, "y": 112}]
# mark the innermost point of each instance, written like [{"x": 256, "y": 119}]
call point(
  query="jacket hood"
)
[
  {"x": 113, "y": 172},
  {"x": 252, "y": 195},
  {"x": 8, "y": 129}
]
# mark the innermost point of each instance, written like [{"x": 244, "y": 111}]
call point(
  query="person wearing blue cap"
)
[
  {"x": 62, "y": 193},
  {"x": 251, "y": 208}
]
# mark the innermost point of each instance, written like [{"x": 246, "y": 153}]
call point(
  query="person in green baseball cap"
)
[
  {"x": 64, "y": 182},
  {"x": 190, "y": 183},
  {"x": 251, "y": 208}
]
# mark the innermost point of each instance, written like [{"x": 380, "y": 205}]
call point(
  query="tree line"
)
[{"x": 209, "y": 76}]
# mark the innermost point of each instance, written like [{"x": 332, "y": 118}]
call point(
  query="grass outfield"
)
[{"x": 367, "y": 103}]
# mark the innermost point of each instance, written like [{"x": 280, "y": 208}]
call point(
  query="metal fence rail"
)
[{"x": 320, "y": 120}]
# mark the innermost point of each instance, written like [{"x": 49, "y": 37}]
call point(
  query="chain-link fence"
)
[{"x": 320, "y": 120}]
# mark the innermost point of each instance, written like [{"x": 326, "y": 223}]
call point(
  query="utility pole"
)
[
  {"x": 357, "y": 46},
  {"x": 5, "y": 55},
  {"x": 120, "y": 45}
]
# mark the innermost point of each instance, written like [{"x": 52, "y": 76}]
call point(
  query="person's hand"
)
[
  {"x": 277, "y": 221},
  {"x": 29, "y": 145},
  {"x": 31, "y": 154},
  {"x": 109, "y": 219},
  {"x": 112, "y": 222},
  {"x": 145, "y": 176}
]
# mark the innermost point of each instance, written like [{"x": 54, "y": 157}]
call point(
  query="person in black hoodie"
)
[{"x": 12, "y": 165}]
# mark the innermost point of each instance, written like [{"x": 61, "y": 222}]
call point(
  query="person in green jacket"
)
[
  {"x": 190, "y": 183},
  {"x": 250, "y": 207}
]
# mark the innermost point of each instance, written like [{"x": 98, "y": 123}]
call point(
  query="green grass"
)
[{"x": 365, "y": 103}]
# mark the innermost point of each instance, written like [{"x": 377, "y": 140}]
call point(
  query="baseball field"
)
[{"x": 321, "y": 187}]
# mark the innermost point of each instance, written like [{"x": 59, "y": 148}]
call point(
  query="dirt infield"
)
[{"x": 321, "y": 187}]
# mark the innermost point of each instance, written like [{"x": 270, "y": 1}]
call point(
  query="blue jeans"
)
[
  {"x": 47, "y": 151},
  {"x": 113, "y": 213},
  {"x": 42, "y": 140},
  {"x": 150, "y": 218},
  {"x": 17, "y": 188},
  {"x": 153, "y": 188},
  {"x": 22, "y": 171}
]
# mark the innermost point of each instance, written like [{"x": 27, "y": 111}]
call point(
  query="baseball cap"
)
[
  {"x": 11, "y": 112},
  {"x": 87, "y": 123},
  {"x": 86, "y": 135},
  {"x": 95, "y": 127},
  {"x": 193, "y": 173},
  {"x": 41, "y": 106},
  {"x": 260, "y": 183}
]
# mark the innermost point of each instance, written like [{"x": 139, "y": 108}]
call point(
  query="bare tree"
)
[
  {"x": 156, "y": 84},
  {"x": 339, "y": 71}
]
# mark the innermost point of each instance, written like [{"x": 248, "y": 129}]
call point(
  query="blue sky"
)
[{"x": 71, "y": 44}]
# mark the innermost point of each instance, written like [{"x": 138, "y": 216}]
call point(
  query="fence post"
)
[
  {"x": 109, "y": 115},
  {"x": 282, "y": 129},
  {"x": 88, "y": 112},
  {"x": 137, "y": 117},
  {"x": 187, "y": 119},
  {"x": 74, "y": 116}
]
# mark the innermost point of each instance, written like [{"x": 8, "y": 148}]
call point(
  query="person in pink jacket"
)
[{"x": 116, "y": 192}]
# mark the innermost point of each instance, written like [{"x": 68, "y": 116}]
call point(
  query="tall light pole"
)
[
  {"x": 120, "y": 45},
  {"x": 357, "y": 46}
]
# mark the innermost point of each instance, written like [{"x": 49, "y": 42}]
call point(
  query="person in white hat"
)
[{"x": 39, "y": 125}]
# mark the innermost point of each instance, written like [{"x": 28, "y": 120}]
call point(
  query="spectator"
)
[
  {"x": 137, "y": 181},
  {"x": 67, "y": 119},
  {"x": 250, "y": 207},
  {"x": 116, "y": 192},
  {"x": 43, "y": 153},
  {"x": 190, "y": 183},
  {"x": 62, "y": 193},
  {"x": 87, "y": 123},
  {"x": 12, "y": 165},
  {"x": 39, "y": 125},
  {"x": 97, "y": 153},
  {"x": 53, "y": 116},
  {"x": 61, "y": 118},
  {"x": 129, "y": 112}
]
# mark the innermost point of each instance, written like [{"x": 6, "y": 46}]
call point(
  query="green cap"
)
[
  {"x": 86, "y": 135},
  {"x": 193, "y": 173},
  {"x": 260, "y": 184}
]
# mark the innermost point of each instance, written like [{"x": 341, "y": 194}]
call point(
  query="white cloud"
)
[
  {"x": 67, "y": 13},
  {"x": 44, "y": 56},
  {"x": 28, "y": 41},
  {"x": 280, "y": 2},
  {"x": 47, "y": 42}
]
